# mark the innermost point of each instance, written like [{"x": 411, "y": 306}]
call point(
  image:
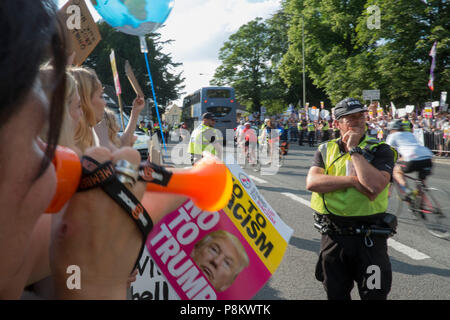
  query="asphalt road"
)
[{"x": 420, "y": 261}]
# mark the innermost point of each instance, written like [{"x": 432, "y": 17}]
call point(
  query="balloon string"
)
[{"x": 156, "y": 103}]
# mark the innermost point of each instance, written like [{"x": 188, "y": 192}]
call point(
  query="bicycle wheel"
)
[{"x": 434, "y": 212}]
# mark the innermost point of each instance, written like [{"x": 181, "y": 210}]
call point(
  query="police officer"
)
[
  {"x": 406, "y": 124},
  {"x": 311, "y": 133},
  {"x": 205, "y": 138},
  {"x": 301, "y": 127},
  {"x": 349, "y": 179},
  {"x": 325, "y": 130}
]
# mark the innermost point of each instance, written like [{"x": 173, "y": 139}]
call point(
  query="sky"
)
[{"x": 199, "y": 28}]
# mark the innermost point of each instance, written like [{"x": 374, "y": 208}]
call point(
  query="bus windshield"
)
[{"x": 219, "y": 111}]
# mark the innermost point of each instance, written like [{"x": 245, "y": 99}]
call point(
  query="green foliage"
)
[
  {"x": 344, "y": 57},
  {"x": 252, "y": 64},
  {"x": 168, "y": 85}
]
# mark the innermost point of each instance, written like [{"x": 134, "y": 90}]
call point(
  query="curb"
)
[{"x": 442, "y": 161}]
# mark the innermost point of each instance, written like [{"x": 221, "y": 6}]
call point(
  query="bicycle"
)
[
  {"x": 283, "y": 151},
  {"x": 430, "y": 205},
  {"x": 251, "y": 157}
]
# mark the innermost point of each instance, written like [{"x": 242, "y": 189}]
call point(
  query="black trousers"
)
[
  {"x": 301, "y": 137},
  {"x": 344, "y": 260},
  {"x": 311, "y": 138},
  {"x": 423, "y": 167}
]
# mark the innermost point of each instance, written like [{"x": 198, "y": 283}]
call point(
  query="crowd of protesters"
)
[{"x": 433, "y": 132}]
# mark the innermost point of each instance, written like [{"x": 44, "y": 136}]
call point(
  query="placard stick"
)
[{"x": 121, "y": 111}]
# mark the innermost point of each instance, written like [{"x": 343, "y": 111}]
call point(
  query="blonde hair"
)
[
  {"x": 88, "y": 83},
  {"x": 113, "y": 127},
  {"x": 226, "y": 235},
  {"x": 66, "y": 137}
]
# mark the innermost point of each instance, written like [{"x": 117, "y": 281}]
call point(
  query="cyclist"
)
[
  {"x": 249, "y": 136},
  {"x": 412, "y": 155},
  {"x": 267, "y": 139}
]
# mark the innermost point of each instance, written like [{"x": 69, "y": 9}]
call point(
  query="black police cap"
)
[
  {"x": 348, "y": 106},
  {"x": 208, "y": 115}
]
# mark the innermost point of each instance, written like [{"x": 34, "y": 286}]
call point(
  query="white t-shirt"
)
[{"x": 408, "y": 147}]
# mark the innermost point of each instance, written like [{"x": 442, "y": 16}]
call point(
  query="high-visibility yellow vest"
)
[
  {"x": 311, "y": 127},
  {"x": 201, "y": 140},
  {"x": 326, "y": 126},
  {"x": 299, "y": 126},
  {"x": 347, "y": 202},
  {"x": 406, "y": 125}
]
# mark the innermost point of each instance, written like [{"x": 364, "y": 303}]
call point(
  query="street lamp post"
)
[{"x": 303, "y": 62}]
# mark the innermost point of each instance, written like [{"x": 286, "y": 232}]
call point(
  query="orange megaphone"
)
[
  {"x": 208, "y": 184},
  {"x": 68, "y": 172}
]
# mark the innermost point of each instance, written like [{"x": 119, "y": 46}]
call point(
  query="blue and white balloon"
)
[{"x": 135, "y": 17}]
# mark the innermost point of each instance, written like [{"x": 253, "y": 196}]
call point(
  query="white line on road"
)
[
  {"x": 400, "y": 247},
  {"x": 297, "y": 198},
  {"x": 258, "y": 179},
  {"x": 410, "y": 252}
]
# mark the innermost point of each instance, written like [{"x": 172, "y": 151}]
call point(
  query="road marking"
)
[
  {"x": 410, "y": 252},
  {"x": 400, "y": 247},
  {"x": 258, "y": 179},
  {"x": 297, "y": 198}
]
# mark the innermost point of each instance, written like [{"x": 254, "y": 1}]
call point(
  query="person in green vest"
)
[
  {"x": 158, "y": 131},
  {"x": 301, "y": 126},
  {"x": 325, "y": 130},
  {"x": 311, "y": 127},
  {"x": 406, "y": 124},
  {"x": 205, "y": 138},
  {"x": 349, "y": 180},
  {"x": 143, "y": 127}
]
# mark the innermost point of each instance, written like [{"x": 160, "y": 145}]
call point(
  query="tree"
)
[
  {"x": 168, "y": 84},
  {"x": 401, "y": 46},
  {"x": 330, "y": 36},
  {"x": 251, "y": 60},
  {"x": 244, "y": 65},
  {"x": 344, "y": 56},
  {"x": 283, "y": 91}
]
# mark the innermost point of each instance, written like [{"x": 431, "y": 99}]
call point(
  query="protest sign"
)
[
  {"x": 428, "y": 112},
  {"x": 325, "y": 114},
  {"x": 371, "y": 94},
  {"x": 380, "y": 111},
  {"x": 393, "y": 109},
  {"x": 81, "y": 29},
  {"x": 314, "y": 113},
  {"x": 132, "y": 78},
  {"x": 401, "y": 112},
  {"x": 112, "y": 58},
  {"x": 247, "y": 234},
  {"x": 410, "y": 108}
]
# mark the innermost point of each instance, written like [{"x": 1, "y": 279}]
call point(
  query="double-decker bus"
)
[{"x": 218, "y": 100}]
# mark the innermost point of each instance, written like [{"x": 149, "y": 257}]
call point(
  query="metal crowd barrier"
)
[{"x": 435, "y": 141}]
